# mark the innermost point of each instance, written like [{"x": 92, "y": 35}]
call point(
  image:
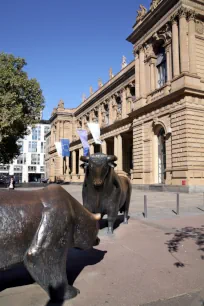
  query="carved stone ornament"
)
[
  {"x": 91, "y": 90},
  {"x": 124, "y": 62},
  {"x": 191, "y": 15},
  {"x": 100, "y": 83},
  {"x": 141, "y": 13},
  {"x": 148, "y": 49},
  {"x": 182, "y": 12},
  {"x": 111, "y": 75},
  {"x": 83, "y": 97},
  {"x": 199, "y": 27},
  {"x": 164, "y": 34},
  {"x": 61, "y": 104},
  {"x": 154, "y": 4}
]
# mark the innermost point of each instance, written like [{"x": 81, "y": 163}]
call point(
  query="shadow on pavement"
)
[
  {"x": 76, "y": 261},
  {"x": 197, "y": 234}
]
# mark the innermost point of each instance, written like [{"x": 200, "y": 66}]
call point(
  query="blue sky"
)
[{"x": 68, "y": 44}]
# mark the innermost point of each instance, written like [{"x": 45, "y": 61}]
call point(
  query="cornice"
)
[{"x": 107, "y": 87}]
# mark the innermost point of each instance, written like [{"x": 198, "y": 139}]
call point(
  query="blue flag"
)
[
  {"x": 65, "y": 147},
  {"x": 86, "y": 151},
  {"x": 84, "y": 140}
]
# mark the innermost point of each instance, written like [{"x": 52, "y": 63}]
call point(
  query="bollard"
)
[
  {"x": 145, "y": 206},
  {"x": 177, "y": 204}
]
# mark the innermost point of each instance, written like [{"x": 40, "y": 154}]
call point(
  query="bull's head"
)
[{"x": 98, "y": 166}]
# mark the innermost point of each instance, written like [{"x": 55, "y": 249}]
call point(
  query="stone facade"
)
[{"x": 152, "y": 112}]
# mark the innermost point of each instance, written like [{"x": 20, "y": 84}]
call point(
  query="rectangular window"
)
[
  {"x": 161, "y": 68},
  {"x": 32, "y": 146},
  {"x": 31, "y": 169},
  {"x": 20, "y": 159},
  {"x": 42, "y": 169},
  {"x": 20, "y": 144},
  {"x": 35, "y": 159},
  {"x": 42, "y": 147},
  {"x": 24, "y": 159},
  {"x": 36, "y": 133},
  {"x": 18, "y": 168},
  {"x": 4, "y": 167},
  {"x": 46, "y": 130}
]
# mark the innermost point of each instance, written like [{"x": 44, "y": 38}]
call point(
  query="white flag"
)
[
  {"x": 95, "y": 131},
  {"x": 58, "y": 146}
]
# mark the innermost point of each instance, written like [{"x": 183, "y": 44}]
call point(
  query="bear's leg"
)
[{"x": 47, "y": 255}]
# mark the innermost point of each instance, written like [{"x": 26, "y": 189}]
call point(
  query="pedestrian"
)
[{"x": 12, "y": 183}]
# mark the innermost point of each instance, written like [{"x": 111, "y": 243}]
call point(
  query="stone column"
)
[
  {"x": 116, "y": 148},
  {"x": 120, "y": 153},
  {"x": 192, "y": 42},
  {"x": 124, "y": 104},
  {"x": 91, "y": 149},
  {"x": 100, "y": 115},
  {"x": 168, "y": 62},
  {"x": 152, "y": 74},
  {"x": 184, "y": 55},
  {"x": 58, "y": 131},
  {"x": 175, "y": 47},
  {"x": 137, "y": 75},
  {"x": 104, "y": 147},
  {"x": 114, "y": 107},
  {"x": 81, "y": 170},
  {"x": 142, "y": 72},
  {"x": 67, "y": 165},
  {"x": 74, "y": 162}
]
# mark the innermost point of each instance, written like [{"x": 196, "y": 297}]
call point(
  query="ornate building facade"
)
[{"x": 152, "y": 112}]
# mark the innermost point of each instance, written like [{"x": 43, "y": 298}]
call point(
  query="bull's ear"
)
[
  {"x": 112, "y": 158},
  {"x": 97, "y": 217},
  {"x": 112, "y": 165},
  {"x": 84, "y": 159}
]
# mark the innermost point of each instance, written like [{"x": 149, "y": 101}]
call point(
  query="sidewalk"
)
[{"x": 132, "y": 267}]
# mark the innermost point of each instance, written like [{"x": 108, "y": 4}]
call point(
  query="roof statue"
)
[
  {"x": 124, "y": 62},
  {"x": 141, "y": 13},
  {"x": 154, "y": 4},
  {"x": 91, "y": 90},
  {"x": 61, "y": 104},
  {"x": 111, "y": 75},
  {"x": 100, "y": 83},
  {"x": 83, "y": 97}
]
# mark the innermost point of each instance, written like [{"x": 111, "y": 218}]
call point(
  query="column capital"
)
[
  {"x": 141, "y": 48},
  {"x": 191, "y": 15},
  {"x": 182, "y": 12},
  {"x": 174, "y": 18}
]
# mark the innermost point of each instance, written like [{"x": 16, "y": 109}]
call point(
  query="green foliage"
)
[{"x": 21, "y": 102}]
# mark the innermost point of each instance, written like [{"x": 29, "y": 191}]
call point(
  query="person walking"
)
[{"x": 12, "y": 183}]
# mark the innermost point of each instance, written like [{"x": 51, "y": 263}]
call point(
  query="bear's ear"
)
[{"x": 97, "y": 217}]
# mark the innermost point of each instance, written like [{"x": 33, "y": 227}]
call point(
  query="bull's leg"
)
[
  {"x": 127, "y": 205},
  {"x": 111, "y": 221},
  {"x": 46, "y": 257}
]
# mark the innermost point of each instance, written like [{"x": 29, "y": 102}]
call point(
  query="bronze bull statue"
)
[
  {"x": 37, "y": 228},
  {"x": 104, "y": 191}
]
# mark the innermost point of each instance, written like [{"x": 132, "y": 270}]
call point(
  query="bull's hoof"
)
[
  {"x": 71, "y": 293},
  {"x": 59, "y": 295},
  {"x": 110, "y": 232}
]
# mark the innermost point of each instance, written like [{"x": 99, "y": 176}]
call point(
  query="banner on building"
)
[
  {"x": 83, "y": 135},
  {"x": 95, "y": 131},
  {"x": 65, "y": 147},
  {"x": 58, "y": 148}
]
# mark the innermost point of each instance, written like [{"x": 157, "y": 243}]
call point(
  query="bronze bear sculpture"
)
[
  {"x": 37, "y": 228},
  {"x": 104, "y": 191}
]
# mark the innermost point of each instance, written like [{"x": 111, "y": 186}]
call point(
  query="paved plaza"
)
[{"x": 155, "y": 261}]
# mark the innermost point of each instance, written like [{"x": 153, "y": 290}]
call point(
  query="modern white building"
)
[{"x": 30, "y": 164}]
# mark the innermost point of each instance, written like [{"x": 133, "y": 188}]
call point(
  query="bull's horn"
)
[
  {"x": 84, "y": 158},
  {"x": 97, "y": 216},
  {"x": 112, "y": 158}
]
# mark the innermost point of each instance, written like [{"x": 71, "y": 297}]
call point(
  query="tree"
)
[{"x": 21, "y": 103}]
